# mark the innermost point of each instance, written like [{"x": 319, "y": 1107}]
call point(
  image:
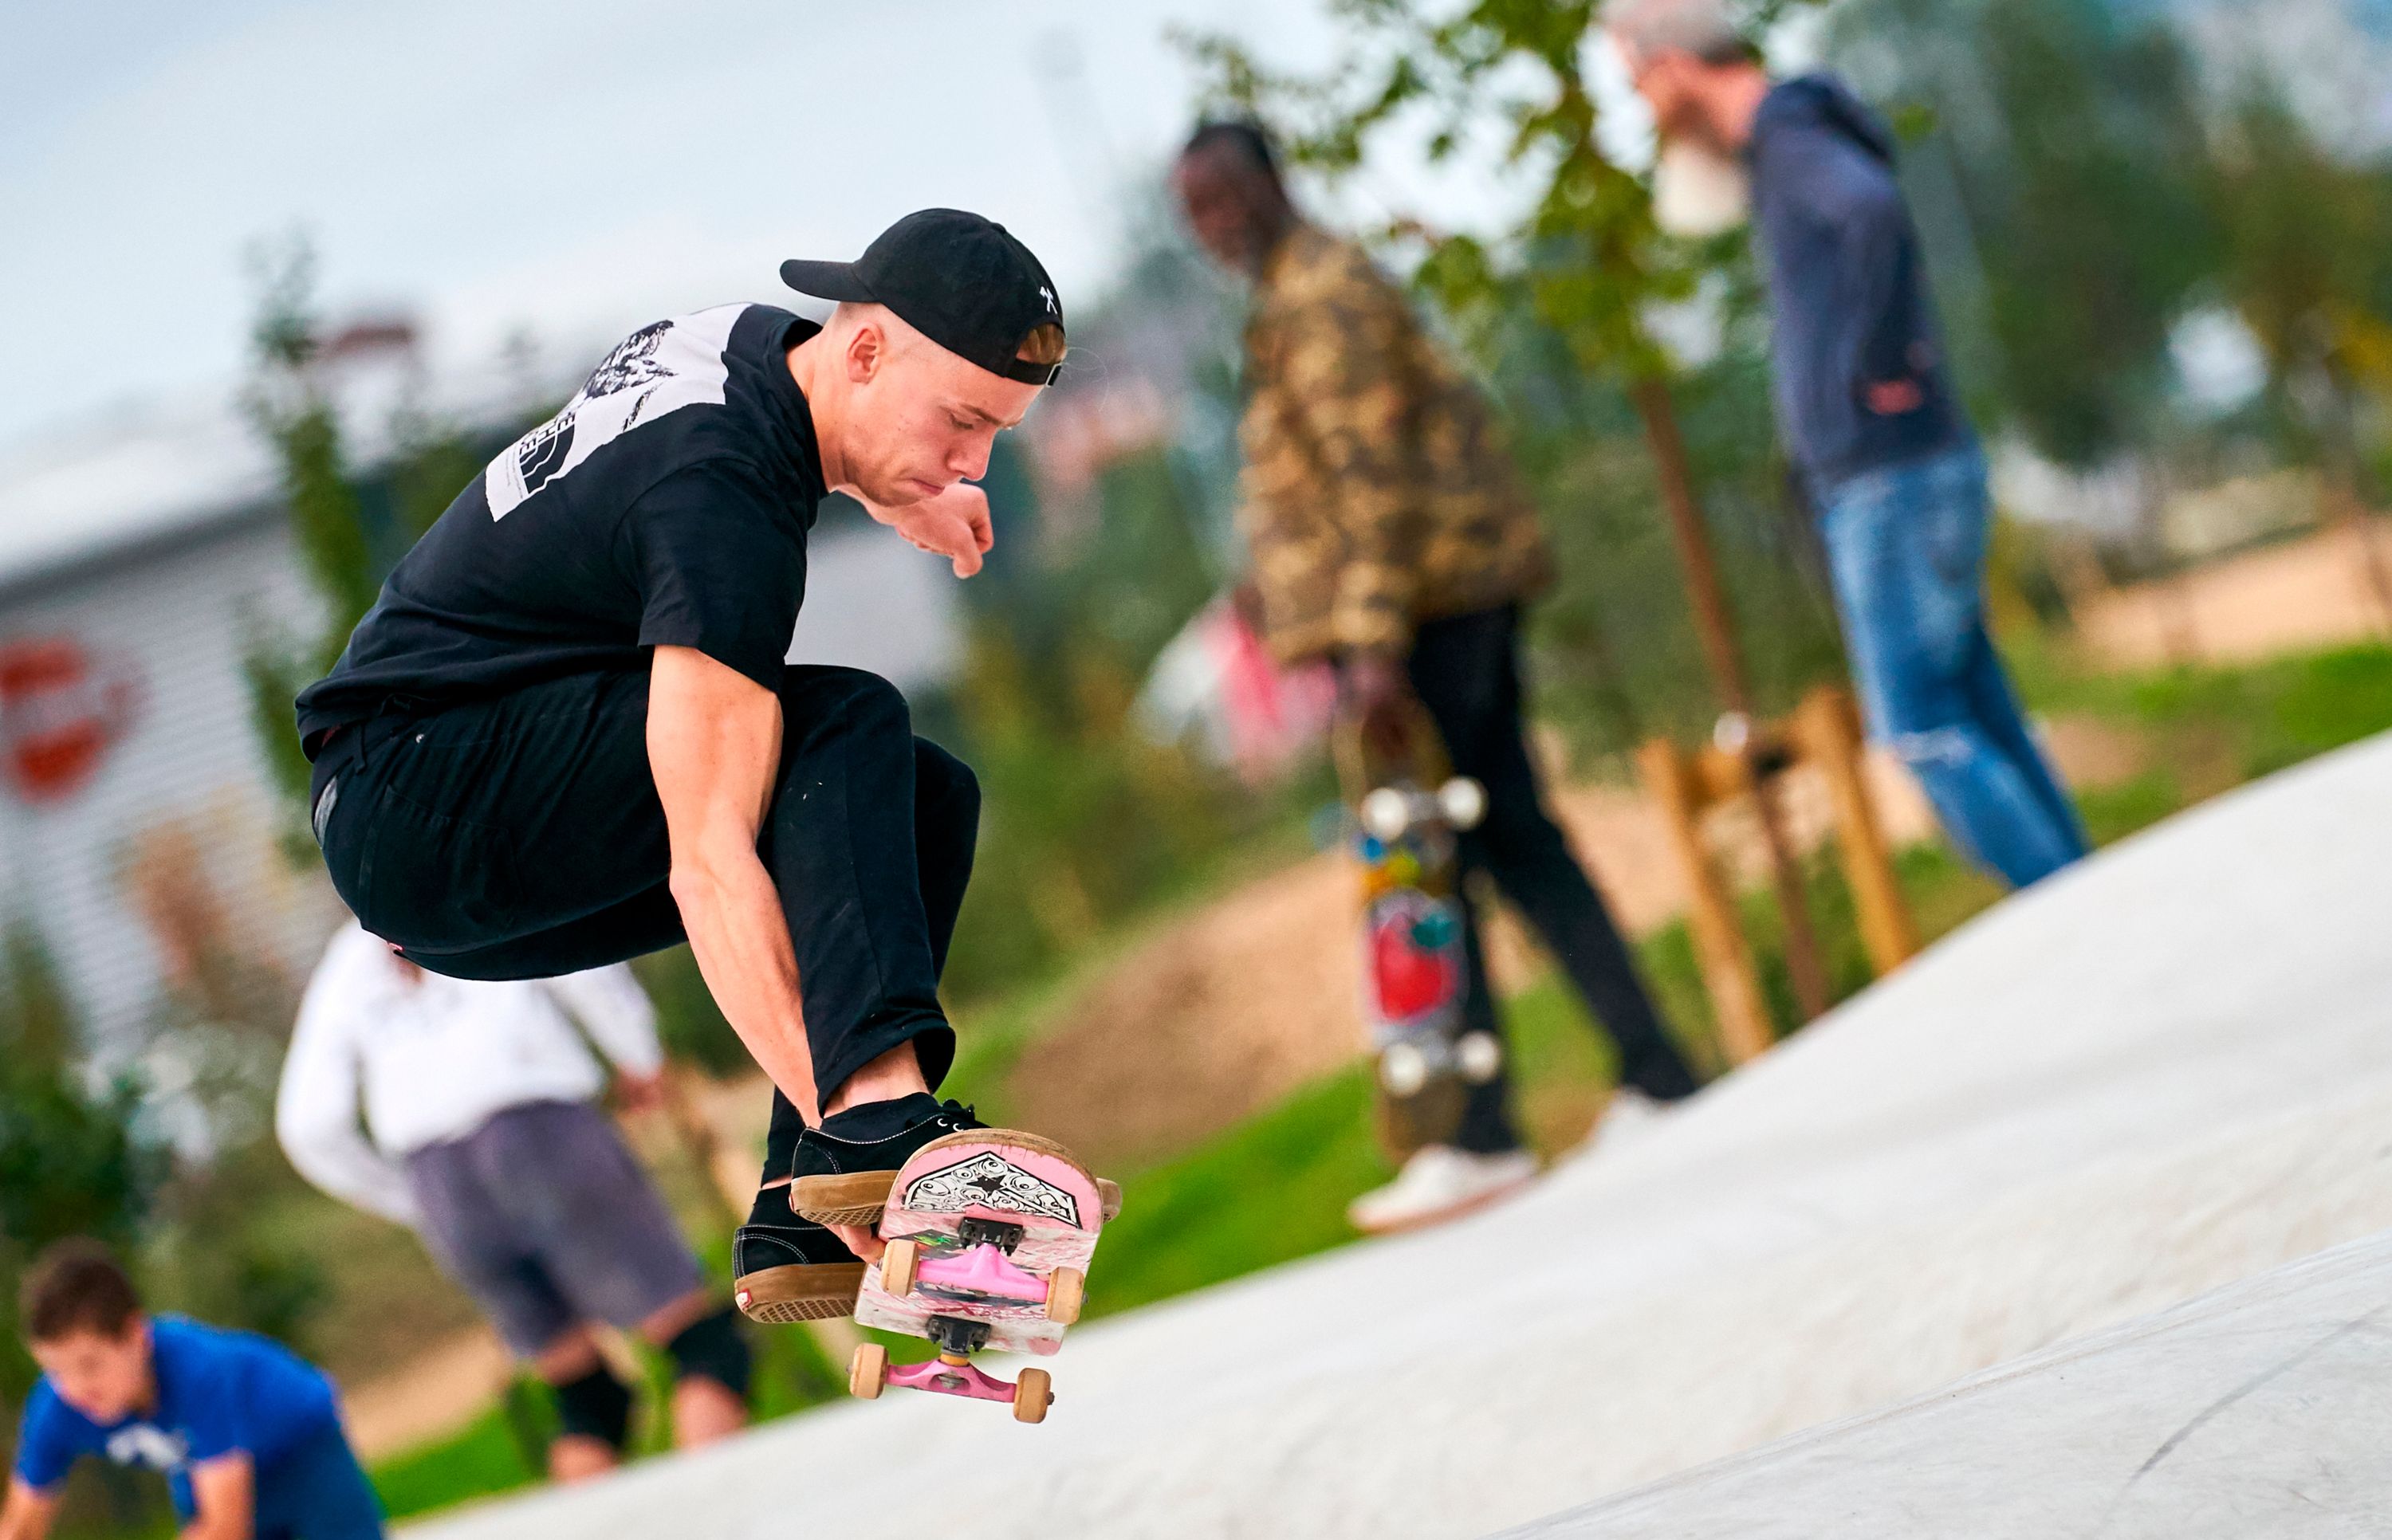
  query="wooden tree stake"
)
[{"x": 1728, "y": 972}]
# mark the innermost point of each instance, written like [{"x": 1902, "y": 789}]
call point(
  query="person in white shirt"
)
[{"x": 481, "y": 1133}]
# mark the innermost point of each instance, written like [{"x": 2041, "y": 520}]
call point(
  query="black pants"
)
[
  {"x": 1466, "y": 671},
  {"x": 521, "y": 837}
]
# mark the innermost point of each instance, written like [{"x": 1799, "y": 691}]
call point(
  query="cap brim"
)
[{"x": 827, "y": 280}]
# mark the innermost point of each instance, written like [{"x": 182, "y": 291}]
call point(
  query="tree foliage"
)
[
  {"x": 2307, "y": 263},
  {"x": 348, "y": 523},
  {"x": 2075, "y": 146},
  {"x": 1505, "y": 76},
  {"x": 73, "y": 1160}
]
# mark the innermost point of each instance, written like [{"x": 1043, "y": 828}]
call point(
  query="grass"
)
[
  {"x": 2211, "y": 729},
  {"x": 481, "y": 1459}
]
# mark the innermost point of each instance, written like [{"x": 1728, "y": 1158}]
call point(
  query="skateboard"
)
[
  {"x": 989, "y": 1235},
  {"x": 1415, "y": 965}
]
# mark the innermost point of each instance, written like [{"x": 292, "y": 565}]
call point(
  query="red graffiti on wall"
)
[{"x": 58, "y": 715}]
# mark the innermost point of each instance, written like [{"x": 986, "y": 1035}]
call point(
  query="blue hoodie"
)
[{"x": 1847, "y": 285}]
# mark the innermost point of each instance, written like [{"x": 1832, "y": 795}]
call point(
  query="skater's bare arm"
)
[
  {"x": 26, "y": 1514},
  {"x": 224, "y": 1491},
  {"x": 714, "y": 745}
]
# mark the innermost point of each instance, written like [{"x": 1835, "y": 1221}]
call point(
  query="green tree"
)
[
  {"x": 73, "y": 1160},
  {"x": 2308, "y": 266}
]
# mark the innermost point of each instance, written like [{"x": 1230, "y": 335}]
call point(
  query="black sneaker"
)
[
  {"x": 845, "y": 1168},
  {"x": 791, "y": 1271}
]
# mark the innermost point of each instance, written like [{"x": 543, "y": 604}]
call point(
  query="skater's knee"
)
[
  {"x": 594, "y": 1405},
  {"x": 945, "y": 786},
  {"x": 571, "y": 1354},
  {"x": 813, "y": 691},
  {"x": 712, "y": 1348}
]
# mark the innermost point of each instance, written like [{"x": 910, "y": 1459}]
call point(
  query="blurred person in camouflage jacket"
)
[{"x": 1389, "y": 532}]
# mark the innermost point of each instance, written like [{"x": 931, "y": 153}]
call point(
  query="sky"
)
[{"x": 566, "y": 168}]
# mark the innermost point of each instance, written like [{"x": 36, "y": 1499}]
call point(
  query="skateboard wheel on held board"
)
[
  {"x": 1462, "y": 801},
  {"x": 898, "y": 1265},
  {"x": 1067, "y": 1289},
  {"x": 1403, "y": 1069},
  {"x": 1479, "y": 1057},
  {"x": 1385, "y": 814},
  {"x": 1033, "y": 1393},
  {"x": 867, "y": 1371}
]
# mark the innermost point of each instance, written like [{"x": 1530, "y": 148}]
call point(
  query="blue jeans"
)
[{"x": 1906, "y": 547}]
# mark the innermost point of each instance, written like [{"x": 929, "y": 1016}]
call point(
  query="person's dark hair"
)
[
  {"x": 75, "y": 1285},
  {"x": 1243, "y": 137}
]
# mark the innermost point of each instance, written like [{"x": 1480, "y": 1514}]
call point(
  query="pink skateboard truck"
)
[
  {"x": 982, "y": 1275},
  {"x": 982, "y": 1272},
  {"x": 952, "y": 1373}
]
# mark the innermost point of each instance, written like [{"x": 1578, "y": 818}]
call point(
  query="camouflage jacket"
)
[{"x": 1377, "y": 493}]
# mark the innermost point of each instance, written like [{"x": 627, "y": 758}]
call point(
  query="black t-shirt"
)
[{"x": 667, "y": 505}]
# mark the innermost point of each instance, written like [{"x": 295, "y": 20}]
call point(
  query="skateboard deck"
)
[
  {"x": 990, "y": 1232},
  {"x": 1415, "y": 965}
]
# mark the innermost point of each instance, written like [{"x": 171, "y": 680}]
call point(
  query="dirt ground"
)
[
  {"x": 2316, "y": 591},
  {"x": 1222, "y": 1014}
]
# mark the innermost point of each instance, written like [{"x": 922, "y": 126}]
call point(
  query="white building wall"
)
[{"x": 173, "y": 628}]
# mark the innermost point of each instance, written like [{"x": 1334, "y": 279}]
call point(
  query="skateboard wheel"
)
[
  {"x": 898, "y": 1265},
  {"x": 867, "y": 1371},
  {"x": 1478, "y": 1056},
  {"x": 1387, "y": 814},
  {"x": 1067, "y": 1289},
  {"x": 1462, "y": 801},
  {"x": 1109, "y": 1198},
  {"x": 1033, "y": 1393},
  {"x": 1403, "y": 1069}
]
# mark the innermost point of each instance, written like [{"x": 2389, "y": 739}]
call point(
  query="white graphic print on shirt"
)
[
  {"x": 655, "y": 369},
  {"x": 145, "y": 1443}
]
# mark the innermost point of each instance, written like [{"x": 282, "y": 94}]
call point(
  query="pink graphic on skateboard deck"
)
[{"x": 991, "y": 1177}]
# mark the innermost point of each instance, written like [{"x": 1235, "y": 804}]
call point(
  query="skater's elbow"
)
[
  {"x": 707, "y": 879},
  {"x": 696, "y": 888}
]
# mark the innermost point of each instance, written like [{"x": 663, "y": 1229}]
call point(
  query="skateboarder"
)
[
  {"x": 566, "y": 733},
  {"x": 247, "y": 1434},
  {"x": 1389, "y": 534},
  {"x": 486, "y": 1141}
]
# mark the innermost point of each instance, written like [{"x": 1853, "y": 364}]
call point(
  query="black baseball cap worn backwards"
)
[{"x": 959, "y": 279}]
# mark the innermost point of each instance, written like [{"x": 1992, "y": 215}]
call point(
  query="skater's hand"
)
[
  {"x": 1378, "y": 694},
  {"x": 1893, "y": 397},
  {"x": 953, "y": 525},
  {"x": 639, "y": 1094},
  {"x": 861, "y": 1239}
]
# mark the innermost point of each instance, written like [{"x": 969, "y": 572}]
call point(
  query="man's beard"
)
[{"x": 1697, "y": 191}]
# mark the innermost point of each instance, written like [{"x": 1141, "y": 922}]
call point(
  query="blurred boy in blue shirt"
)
[{"x": 247, "y": 1434}]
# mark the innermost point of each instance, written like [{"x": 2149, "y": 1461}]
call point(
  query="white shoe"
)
[
  {"x": 1440, "y": 1183},
  {"x": 1626, "y": 1117}
]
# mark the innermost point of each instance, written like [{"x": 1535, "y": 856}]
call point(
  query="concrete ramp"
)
[
  {"x": 2162, "y": 1072},
  {"x": 2264, "y": 1409}
]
